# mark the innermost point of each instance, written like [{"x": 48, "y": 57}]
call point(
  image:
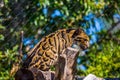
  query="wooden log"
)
[
  {"x": 33, "y": 74},
  {"x": 24, "y": 74},
  {"x": 42, "y": 75},
  {"x": 66, "y": 66}
]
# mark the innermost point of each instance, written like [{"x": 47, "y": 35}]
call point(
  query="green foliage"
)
[
  {"x": 7, "y": 59},
  {"x": 103, "y": 59},
  {"x": 1, "y": 37},
  {"x": 105, "y": 63}
]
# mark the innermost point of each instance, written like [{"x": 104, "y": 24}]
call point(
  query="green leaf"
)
[
  {"x": 1, "y": 37},
  {"x": 2, "y": 27}
]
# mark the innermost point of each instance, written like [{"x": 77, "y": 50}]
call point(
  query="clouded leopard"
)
[{"x": 45, "y": 53}]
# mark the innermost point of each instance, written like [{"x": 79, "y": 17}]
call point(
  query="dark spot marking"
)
[
  {"x": 50, "y": 42},
  {"x": 68, "y": 39},
  {"x": 42, "y": 66},
  {"x": 68, "y": 30},
  {"x": 43, "y": 39},
  {"x": 77, "y": 32},
  {"x": 37, "y": 60},
  {"x": 36, "y": 66},
  {"x": 53, "y": 50},
  {"x": 46, "y": 69},
  {"x": 63, "y": 35},
  {"x": 47, "y": 64},
  {"x": 48, "y": 56},
  {"x": 45, "y": 59},
  {"x": 55, "y": 41},
  {"x": 44, "y": 47},
  {"x": 40, "y": 54},
  {"x": 51, "y": 35},
  {"x": 31, "y": 64},
  {"x": 41, "y": 62}
]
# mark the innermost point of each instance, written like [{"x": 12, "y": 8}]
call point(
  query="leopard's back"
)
[{"x": 46, "y": 51}]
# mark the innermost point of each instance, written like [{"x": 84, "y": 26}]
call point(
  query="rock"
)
[{"x": 92, "y": 77}]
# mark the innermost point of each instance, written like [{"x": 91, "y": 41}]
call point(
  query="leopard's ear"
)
[{"x": 77, "y": 32}]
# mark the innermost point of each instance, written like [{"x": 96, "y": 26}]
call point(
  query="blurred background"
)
[{"x": 99, "y": 18}]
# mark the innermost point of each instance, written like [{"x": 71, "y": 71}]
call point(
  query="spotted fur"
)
[{"x": 45, "y": 53}]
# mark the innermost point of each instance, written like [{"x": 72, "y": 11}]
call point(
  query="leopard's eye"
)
[
  {"x": 85, "y": 40},
  {"x": 78, "y": 39}
]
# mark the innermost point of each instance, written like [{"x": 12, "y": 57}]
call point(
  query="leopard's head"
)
[{"x": 81, "y": 39}]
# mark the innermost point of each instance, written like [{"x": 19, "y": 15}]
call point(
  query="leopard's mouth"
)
[{"x": 84, "y": 47}]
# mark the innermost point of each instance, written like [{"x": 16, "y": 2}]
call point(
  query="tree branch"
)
[{"x": 21, "y": 45}]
